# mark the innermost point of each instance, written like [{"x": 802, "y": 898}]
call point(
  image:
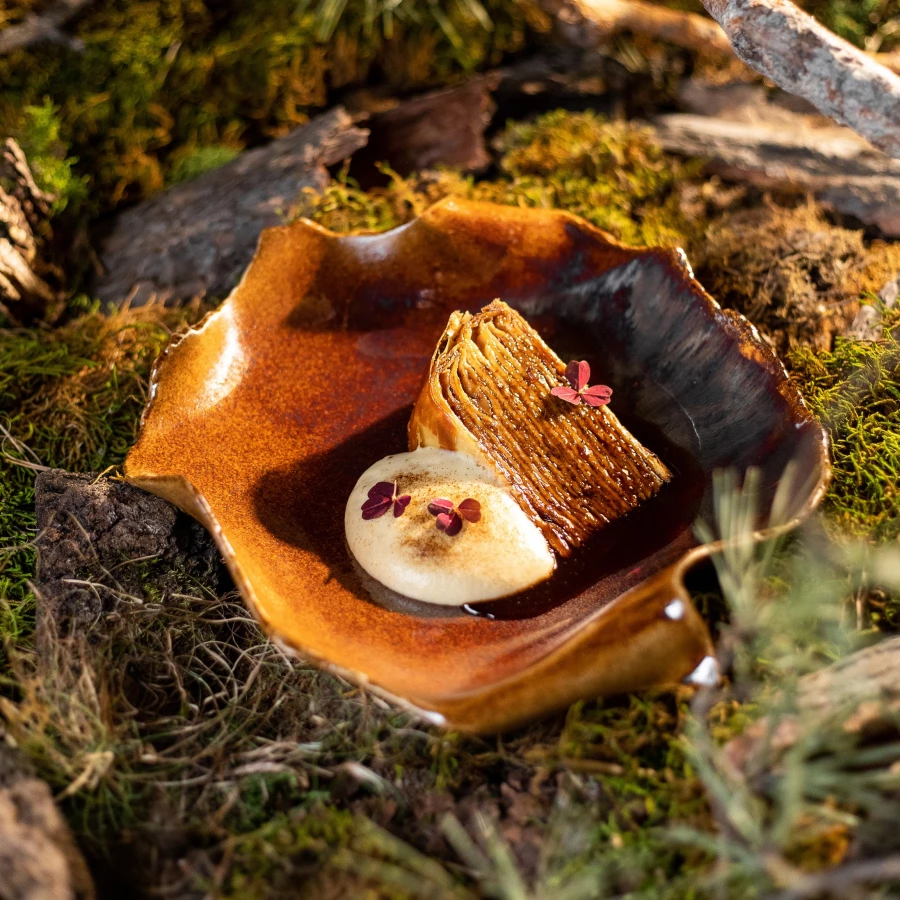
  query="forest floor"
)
[{"x": 189, "y": 756}]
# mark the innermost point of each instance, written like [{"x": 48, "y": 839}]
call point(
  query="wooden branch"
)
[
  {"x": 771, "y": 36},
  {"x": 841, "y": 169},
  {"x": 196, "y": 238},
  {"x": 43, "y": 27},
  {"x": 586, "y": 23},
  {"x": 803, "y": 57}
]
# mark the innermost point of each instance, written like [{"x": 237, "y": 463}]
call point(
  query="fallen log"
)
[
  {"x": 843, "y": 171},
  {"x": 196, "y": 238}
]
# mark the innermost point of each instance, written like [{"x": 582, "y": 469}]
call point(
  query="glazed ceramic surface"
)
[{"x": 262, "y": 419}]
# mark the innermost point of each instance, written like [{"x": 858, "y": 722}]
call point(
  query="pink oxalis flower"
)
[
  {"x": 578, "y": 374},
  {"x": 450, "y": 517},
  {"x": 381, "y": 498}
]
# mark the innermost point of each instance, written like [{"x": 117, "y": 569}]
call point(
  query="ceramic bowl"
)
[{"x": 262, "y": 418}]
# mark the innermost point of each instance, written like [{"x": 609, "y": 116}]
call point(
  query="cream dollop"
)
[{"x": 501, "y": 554}]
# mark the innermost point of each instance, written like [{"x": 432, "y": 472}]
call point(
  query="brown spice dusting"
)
[{"x": 435, "y": 544}]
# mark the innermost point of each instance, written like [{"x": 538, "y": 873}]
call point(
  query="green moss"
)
[
  {"x": 855, "y": 391},
  {"x": 611, "y": 173},
  {"x": 48, "y": 157},
  {"x": 69, "y": 398},
  {"x": 182, "y": 722},
  {"x": 158, "y": 79},
  {"x": 326, "y": 851}
]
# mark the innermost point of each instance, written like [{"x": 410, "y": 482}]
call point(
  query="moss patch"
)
[
  {"x": 193, "y": 756},
  {"x": 69, "y": 398},
  {"x": 855, "y": 391},
  {"x": 611, "y": 173},
  {"x": 797, "y": 277}
]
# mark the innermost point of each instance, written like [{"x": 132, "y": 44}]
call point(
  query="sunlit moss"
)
[
  {"x": 613, "y": 174},
  {"x": 73, "y": 396},
  {"x": 47, "y": 155},
  {"x": 795, "y": 275}
]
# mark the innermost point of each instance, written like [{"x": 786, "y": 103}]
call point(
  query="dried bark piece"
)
[
  {"x": 861, "y": 692},
  {"x": 90, "y": 529},
  {"x": 842, "y": 170},
  {"x": 572, "y": 469},
  {"x": 24, "y": 211},
  {"x": 780, "y": 41},
  {"x": 197, "y": 238},
  {"x": 39, "y": 859}
]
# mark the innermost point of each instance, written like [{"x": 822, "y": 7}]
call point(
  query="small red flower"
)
[
  {"x": 578, "y": 374},
  {"x": 450, "y": 518},
  {"x": 381, "y": 498}
]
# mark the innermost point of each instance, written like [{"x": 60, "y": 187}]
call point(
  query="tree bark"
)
[
  {"x": 24, "y": 211},
  {"x": 860, "y": 693},
  {"x": 843, "y": 171},
  {"x": 440, "y": 128},
  {"x": 93, "y": 535},
  {"x": 780, "y": 41},
  {"x": 197, "y": 238}
]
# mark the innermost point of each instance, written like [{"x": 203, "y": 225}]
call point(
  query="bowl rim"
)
[{"x": 462, "y": 711}]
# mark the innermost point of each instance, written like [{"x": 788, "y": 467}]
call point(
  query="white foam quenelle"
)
[{"x": 500, "y": 554}]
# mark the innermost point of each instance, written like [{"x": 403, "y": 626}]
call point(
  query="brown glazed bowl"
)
[{"x": 261, "y": 420}]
